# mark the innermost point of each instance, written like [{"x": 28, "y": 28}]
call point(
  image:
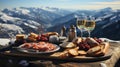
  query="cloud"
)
[
  {"x": 97, "y": 5},
  {"x": 93, "y": 6},
  {"x": 107, "y": 3}
]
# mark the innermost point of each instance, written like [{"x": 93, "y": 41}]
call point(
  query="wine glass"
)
[
  {"x": 89, "y": 26},
  {"x": 81, "y": 24}
]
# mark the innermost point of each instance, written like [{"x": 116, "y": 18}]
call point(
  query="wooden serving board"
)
[
  {"x": 84, "y": 58},
  {"x": 52, "y": 56}
]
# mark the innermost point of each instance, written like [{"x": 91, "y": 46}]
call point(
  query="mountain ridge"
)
[{"x": 30, "y": 18}]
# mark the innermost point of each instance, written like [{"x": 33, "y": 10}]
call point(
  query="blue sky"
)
[{"x": 69, "y": 4}]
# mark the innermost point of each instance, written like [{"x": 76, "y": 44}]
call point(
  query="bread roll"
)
[
  {"x": 32, "y": 39},
  {"x": 33, "y": 35},
  {"x": 20, "y": 36}
]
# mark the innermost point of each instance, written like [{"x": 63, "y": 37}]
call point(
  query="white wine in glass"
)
[
  {"x": 89, "y": 26},
  {"x": 81, "y": 24}
]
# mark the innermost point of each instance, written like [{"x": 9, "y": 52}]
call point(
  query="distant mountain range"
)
[{"x": 26, "y": 20}]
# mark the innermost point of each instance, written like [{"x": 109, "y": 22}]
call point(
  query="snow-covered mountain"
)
[
  {"x": 16, "y": 25},
  {"x": 27, "y": 20},
  {"x": 7, "y": 29},
  {"x": 43, "y": 14},
  {"x": 105, "y": 18},
  {"x": 78, "y": 13}
]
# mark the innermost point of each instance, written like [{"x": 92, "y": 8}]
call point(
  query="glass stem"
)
[
  {"x": 81, "y": 33},
  {"x": 89, "y": 33}
]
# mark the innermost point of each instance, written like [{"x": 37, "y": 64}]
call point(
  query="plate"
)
[{"x": 32, "y": 51}]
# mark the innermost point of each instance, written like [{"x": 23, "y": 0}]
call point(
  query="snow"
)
[
  {"x": 11, "y": 27},
  {"x": 108, "y": 15},
  {"x": 98, "y": 19},
  {"x": 113, "y": 17},
  {"x": 18, "y": 21},
  {"x": 33, "y": 23},
  {"x": 4, "y": 42},
  {"x": 30, "y": 25},
  {"x": 5, "y": 17}
]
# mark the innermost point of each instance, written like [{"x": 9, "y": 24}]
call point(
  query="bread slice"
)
[
  {"x": 64, "y": 54},
  {"x": 94, "y": 50},
  {"x": 82, "y": 52},
  {"x": 73, "y": 52},
  {"x": 104, "y": 47}
]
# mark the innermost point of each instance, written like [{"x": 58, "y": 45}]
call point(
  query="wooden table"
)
[{"x": 37, "y": 61}]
